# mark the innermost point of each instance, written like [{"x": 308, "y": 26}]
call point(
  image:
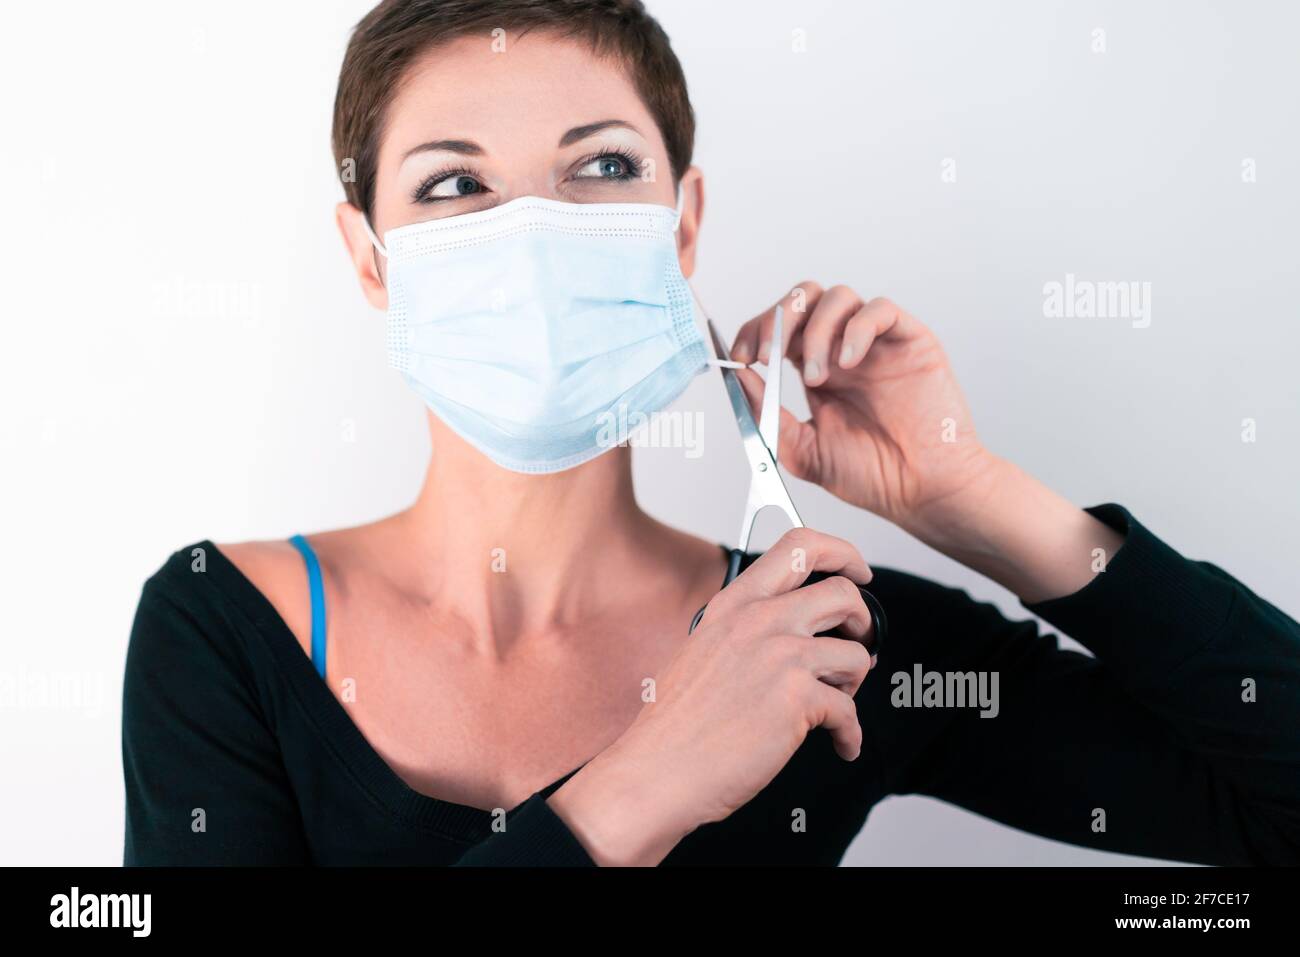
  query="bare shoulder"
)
[{"x": 276, "y": 569}]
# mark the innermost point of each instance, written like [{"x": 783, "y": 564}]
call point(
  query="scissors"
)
[{"x": 766, "y": 487}]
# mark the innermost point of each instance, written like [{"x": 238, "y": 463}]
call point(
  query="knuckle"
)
[
  {"x": 811, "y": 699},
  {"x": 802, "y": 655},
  {"x": 846, "y": 591},
  {"x": 862, "y": 662},
  {"x": 804, "y": 538},
  {"x": 722, "y": 615},
  {"x": 746, "y": 619},
  {"x": 721, "y": 606},
  {"x": 792, "y": 686},
  {"x": 789, "y": 654},
  {"x": 864, "y": 321},
  {"x": 818, "y": 329},
  {"x": 845, "y": 710}
]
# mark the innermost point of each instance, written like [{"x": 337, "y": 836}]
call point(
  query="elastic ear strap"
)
[
  {"x": 680, "y": 198},
  {"x": 714, "y": 360},
  {"x": 365, "y": 221}
]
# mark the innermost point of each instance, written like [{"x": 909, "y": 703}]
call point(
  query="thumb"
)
[{"x": 797, "y": 441}]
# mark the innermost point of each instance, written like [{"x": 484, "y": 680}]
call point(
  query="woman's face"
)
[{"x": 472, "y": 128}]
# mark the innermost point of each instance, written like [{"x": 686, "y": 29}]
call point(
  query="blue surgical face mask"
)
[{"x": 525, "y": 327}]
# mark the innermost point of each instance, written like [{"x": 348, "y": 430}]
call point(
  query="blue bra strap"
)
[{"x": 317, "y": 587}]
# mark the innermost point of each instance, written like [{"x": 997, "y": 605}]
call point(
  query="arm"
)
[
  {"x": 1178, "y": 740},
  {"x": 1158, "y": 724},
  {"x": 535, "y": 836},
  {"x": 1011, "y": 528},
  {"x": 606, "y": 814},
  {"x": 205, "y": 784}
]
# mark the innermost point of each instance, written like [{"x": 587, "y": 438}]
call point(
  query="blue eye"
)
[
  {"x": 612, "y": 166},
  {"x": 457, "y": 185},
  {"x": 448, "y": 184}
]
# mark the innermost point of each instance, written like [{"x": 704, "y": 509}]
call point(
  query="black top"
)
[{"x": 1179, "y": 740}]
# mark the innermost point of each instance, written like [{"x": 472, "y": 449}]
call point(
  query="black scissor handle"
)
[{"x": 879, "y": 623}]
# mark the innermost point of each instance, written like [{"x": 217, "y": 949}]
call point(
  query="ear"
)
[
  {"x": 688, "y": 232},
  {"x": 365, "y": 257}
]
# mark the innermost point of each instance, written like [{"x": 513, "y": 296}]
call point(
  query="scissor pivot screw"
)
[{"x": 762, "y": 466}]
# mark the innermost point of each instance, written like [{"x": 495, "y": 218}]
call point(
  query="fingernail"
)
[
  {"x": 811, "y": 371},
  {"x": 741, "y": 352},
  {"x": 846, "y": 354},
  {"x": 764, "y": 351}
]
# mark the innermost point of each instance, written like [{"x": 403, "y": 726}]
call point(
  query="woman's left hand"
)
[{"x": 890, "y": 430}]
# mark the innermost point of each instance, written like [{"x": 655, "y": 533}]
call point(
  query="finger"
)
[
  {"x": 787, "y": 564},
  {"x": 843, "y": 665},
  {"x": 878, "y": 319},
  {"x": 796, "y": 306},
  {"x": 754, "y": 341},
  {"x": 822, "y": 330},
  {"x": 836, "y": 712},
  {"x": 745, "y": 347},
  {"x": 833, "y": 603},
  {"x": 797, "y": 440}
]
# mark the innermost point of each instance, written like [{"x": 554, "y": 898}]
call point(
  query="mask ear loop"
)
[
  {"x": 710, "y": 360},
  {"x": 713, "y": 360},
  {"x": 365, "y": 221},
  {"x": 374, "y": 240},
  {"x": 681, "y": 199}
]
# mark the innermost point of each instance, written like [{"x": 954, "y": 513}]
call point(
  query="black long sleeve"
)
[
  {"x": 1184, "y": 730},
  {"x": 205, "y": 782},
  {"x": 534, "y": 837}
]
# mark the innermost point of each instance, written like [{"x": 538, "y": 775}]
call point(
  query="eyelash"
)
[
  {"x": 418, "y": 195},
  {"x": 630, "y": 159}
]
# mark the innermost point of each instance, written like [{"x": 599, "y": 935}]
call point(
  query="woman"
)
[{"x": 500, "y": 674}]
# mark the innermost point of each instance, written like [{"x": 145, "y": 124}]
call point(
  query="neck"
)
[{"x": 511, "y": 554}]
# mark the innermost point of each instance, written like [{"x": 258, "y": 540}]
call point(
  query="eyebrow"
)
[
  {"x": 470, "y": 148},
  {"x": 590, "y": 129},
  {"x": 464, "y": 147}
]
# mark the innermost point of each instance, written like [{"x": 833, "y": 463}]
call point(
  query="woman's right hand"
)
[{"x": 734, "y": 704}]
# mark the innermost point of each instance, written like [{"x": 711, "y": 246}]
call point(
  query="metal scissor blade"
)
[
  {"x": 765, "y": 487},
  {"x": 769, "y": 423},
  {"x": 735, "y": 391}
]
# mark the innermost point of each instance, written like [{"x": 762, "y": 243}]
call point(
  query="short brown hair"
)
[{"x": 394, "y": 33}]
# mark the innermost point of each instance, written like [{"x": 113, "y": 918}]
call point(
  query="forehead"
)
[{"x": 540, "y": 84}]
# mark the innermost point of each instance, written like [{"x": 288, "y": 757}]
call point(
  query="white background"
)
[{"x": 185, "y": 343}]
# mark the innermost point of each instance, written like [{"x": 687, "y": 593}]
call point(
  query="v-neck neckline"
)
[{"x": 337, "y": 731}]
